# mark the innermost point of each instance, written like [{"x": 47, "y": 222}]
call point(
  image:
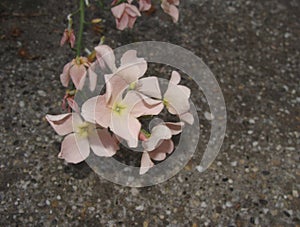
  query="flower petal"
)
[
  {"x": 94, "y": 110},
  {"x": 102, "y": 143},
  {"x": 62, "y": 124},
  {"x": 132, "y": 67},
  {"x": 175, "y": 127},
  {"x": 78, "y": 74},
  {"x": 105, "y": 54},
  {"x": 140, "y": 104},
  {"x": 149, "y": 86},
  {"x": 65, "y": 76},
  {"x": 74, "y": 149},
  {"x": 146, "y": 163},
  {"x": 118, "y": 10},
  {"x": 92, "y": 77},
  {"x": 187, "y": 117},
  {"x": 115, "y": 86},
  {"x": 126, "y": 126},
  {"x": 158, "y": 133},
  {"x": 159, "y": 154}
]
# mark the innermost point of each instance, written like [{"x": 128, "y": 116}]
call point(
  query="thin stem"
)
[{"x": 81, "y": 26}]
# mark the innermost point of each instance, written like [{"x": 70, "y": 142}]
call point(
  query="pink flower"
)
[
  {"x": 144, "y": 5},
  {"x": 68, "y": 36},
  {"x": 125, "y": 15},
  {"x": 80, "y": 137},
  {"x": 120, "y": 114},
  {"x": 169, "y": 7},
  {"x": 130, "y": 70},
  {"x": 176, "y": 99},
  {"x": 76, "y": 70},
  {"x": 159, "y": 144}
]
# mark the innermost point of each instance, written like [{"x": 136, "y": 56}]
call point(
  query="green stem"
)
[{"x": 81, "y": 26}]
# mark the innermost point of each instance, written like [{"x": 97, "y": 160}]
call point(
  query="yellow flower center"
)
[
  {"x": 165, "y": 102},
  {"x": 118, "y": 108},
  {"x": 84, "y": 129}
]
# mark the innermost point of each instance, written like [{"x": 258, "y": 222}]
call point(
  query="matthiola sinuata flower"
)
[
  {"x": 169, "y": 7},
  {"x": 144, "y": 5},
  {"x": 176, "y": 99},
  {"x": 77, "y": 70},
  {"x": 159, "y": 144},
  {"x": 131, "y": 70},
  {"x": 118, "y": 113},
  {"x": 81, "y": 136},
  {"x": 68, "y": 36},
  {"x": 125, "y": 14}
]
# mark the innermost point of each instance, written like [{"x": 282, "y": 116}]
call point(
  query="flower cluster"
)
[
  {"x": 126, "y": 13},
  {"x": 105, "y": 120}
]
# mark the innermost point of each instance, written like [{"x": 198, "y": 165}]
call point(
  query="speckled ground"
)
[{"x": 253, "y": 49}]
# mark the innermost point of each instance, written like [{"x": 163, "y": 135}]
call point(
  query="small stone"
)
[
  {"x": 251, "y": 121},
  {"x": 161, "y": 216},
  {"x": 209, "y": 116},
  {"x": 234, "y": 163},
  {"x": 228, "y": 204},
  {"x": 140, "y": 208},
  {"x": 295, "y": 193},
  {"x": 42, "y": 93},
  {"x": 58, "y": 197},
  {"x": 203, "y": 205},
  {"x": 134, "y": 191},
  {"x": 21, "y": 104},
  {"x": 230, "y": 181},
  {"x": 255, "y": 143},
  {"x": 200, "y": 168},
  {"x": 48, "y": 202},
  {"x": 250, "y": 132}
]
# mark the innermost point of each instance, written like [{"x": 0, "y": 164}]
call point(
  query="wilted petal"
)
[
  {"x": 149, "y": 86},
  {"x": 72, "y": 103},
  {"x": 144, "y": 5},
  {"x": 158, "y": 133},
  {"x": 118, "y": 10},
  {"x": 78, "y": 74},
  {"x": 74, "y": 149},
  {"x": 146, "y": 163},
  {"x": 170, "y": 9},
  {"x": 62, "y": 124},
  {"x": 105, "y": 53},
  {"x": 102, "y": 143},
  {"x": 132, "y": 10},
  {"x": 65, "y": 76},
  {"x": 64, "y": 38},
  {"x": 159, "y": 154}
]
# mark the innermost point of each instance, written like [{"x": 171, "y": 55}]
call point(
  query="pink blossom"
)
[
  {"x": 169, "y": 7},
  {"x": 125, "y": 15},
  {"x": 120, "y": 114},
  {"x": 81, "y": 136},
  {"x": 77, "y": 70},
  {"x": 131, "y": 69},
  {"x": 68, "y": 36},
  {"x": 176, "y": 99},
  {"x": 159, "y": 144},
  {"x": 144, "y": 5}
]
